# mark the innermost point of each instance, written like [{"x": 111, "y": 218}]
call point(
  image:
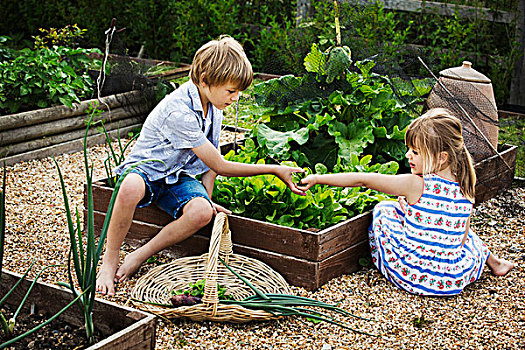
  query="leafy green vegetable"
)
[
  {"x": 338, "y": 63},
  {"x": 266, "y": 198},
  {"x": 197, "y": 290}
]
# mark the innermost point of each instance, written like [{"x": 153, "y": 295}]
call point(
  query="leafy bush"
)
[
  {"x": 331, "y": 112},
  {"x": 44, "y": 77},
  {"x": 59, "y": 37}
]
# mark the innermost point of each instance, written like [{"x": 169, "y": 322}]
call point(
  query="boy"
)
[{"x": 183, "y": 131}]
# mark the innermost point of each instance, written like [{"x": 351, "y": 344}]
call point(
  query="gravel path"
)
[{"x": 490, "y": 314}]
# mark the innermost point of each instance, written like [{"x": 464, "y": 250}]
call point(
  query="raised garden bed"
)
[
  {"x": 122, "y": 327},
  {"x": 55, "y": 130},
  {"x": 304, "y": 258}
]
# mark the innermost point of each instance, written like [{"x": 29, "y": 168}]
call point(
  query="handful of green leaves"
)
[
  {"x": 194, "y": 293},
  {"x": 297, "y": 177}
]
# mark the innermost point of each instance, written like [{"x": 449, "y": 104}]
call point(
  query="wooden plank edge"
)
[
  {"x": 13, "y": 121},
  {"x": 344, "y": 262},
  {"x": 101, "y": 309},
  {"x": 296, "y": 245},
  {"x": 65, "y": 136},
  {"x": 446, "y": 9},
  {"x": 140, "y": 334},
  {"x": 62, "y": 148}
]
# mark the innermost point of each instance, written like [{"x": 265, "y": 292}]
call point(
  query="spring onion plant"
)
[
  {"x": 291, "y": 305},
  {"x": 43, "y": 324},
  {"x": 113, "y": 159},
  {"x": 9, "y": 326},
  {"x": 85, "y": 261}
]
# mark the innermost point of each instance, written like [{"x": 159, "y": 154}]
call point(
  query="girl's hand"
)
[
  {"x": 285, "y": 174},
  {"x": 308, "y": 181},
  {"x": 219, "y": 209}
]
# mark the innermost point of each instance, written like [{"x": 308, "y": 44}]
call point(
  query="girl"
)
[{"x": 423, "y": 244}]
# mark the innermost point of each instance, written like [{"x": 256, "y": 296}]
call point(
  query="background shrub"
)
[{"x": 173, "y": 30}]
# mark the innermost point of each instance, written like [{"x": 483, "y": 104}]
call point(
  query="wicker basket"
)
[{"x": 156, "y": 286}]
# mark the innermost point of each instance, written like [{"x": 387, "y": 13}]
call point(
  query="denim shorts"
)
[{"x": 171, "y": 197}]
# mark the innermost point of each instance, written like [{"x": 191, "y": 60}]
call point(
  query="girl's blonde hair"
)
[
  {"x": 222, "y": 61},
  {"x": 439, "y": 131}
]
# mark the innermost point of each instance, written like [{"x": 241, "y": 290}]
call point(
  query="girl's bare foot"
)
[
  {"x": 499, "y": 267},
  {"x": 106, "y": 276},
  {"x": 131, "y": 264}
]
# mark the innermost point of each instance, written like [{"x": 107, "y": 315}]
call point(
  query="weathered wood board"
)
[
  {"x": 123, "y": 327},
  {"x": 493, "y": 175},
  {"x": 57, "y": 130}
]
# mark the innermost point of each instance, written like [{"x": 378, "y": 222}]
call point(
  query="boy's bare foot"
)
[
  {"x": 499, "y": 267},
  {"x": 131, "y": 264},
  {"x": 106, "y": 276}
]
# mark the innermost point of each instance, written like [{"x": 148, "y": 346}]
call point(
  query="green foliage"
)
[
  {"x": 44, "y": 77},
  {"x": 332, "y": 120},
  {"x": 66, "y": 36},
  {"x": 421, "y": 321},
  {"x": 448, "y": 40},
  {"x": 338, "y": 63},
  {"x": 511, "y": 131},
  {"x": 266, "y": 198},
  {"x": 278, "y": 47},
  {"x": 5, "y": 52},
  {"x": 317, "y": 119},
  {"x": 197, "y": 290}
]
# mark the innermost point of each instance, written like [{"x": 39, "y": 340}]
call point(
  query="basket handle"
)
[{"x": 220, "y": 244}]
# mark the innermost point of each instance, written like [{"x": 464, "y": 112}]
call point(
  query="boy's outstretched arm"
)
[{"x": 213, "y": 159}]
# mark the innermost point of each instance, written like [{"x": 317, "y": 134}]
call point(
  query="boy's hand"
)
[
  {"x": 219, "y": 209},
  {"x": 307, "y": 182},
  {"x": 285, "y": 174}
]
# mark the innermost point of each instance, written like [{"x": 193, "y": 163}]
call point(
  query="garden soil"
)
[{"x": 57, "y": 335}]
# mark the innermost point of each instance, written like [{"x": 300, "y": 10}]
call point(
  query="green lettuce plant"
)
[{"x": 266, "y": 198}]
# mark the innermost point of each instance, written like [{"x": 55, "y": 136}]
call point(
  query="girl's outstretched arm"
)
[{"x": 408, "y": 185}]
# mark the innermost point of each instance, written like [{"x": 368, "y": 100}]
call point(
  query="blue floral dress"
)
[{"x": 421, "y": 251}]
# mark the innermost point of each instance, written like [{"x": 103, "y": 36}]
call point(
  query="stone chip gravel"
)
[{"x": 489, "y": 314}]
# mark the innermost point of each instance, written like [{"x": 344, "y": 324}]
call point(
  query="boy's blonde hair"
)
[
  {"x": 222, "y": 61},
  {"x": 439, "y": 131}
]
